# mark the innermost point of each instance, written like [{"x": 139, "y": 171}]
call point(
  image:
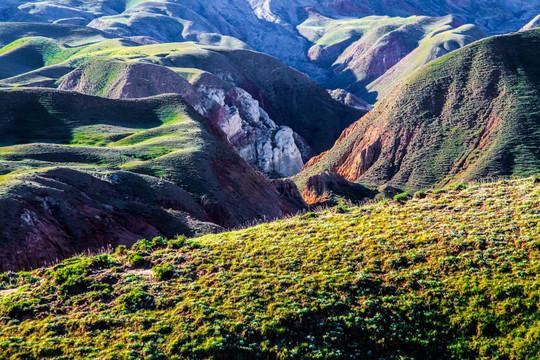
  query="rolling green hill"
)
[
  {"x": 369, "y": 56},
  {"x": 471, "y": 114},
  {"x": 449, "y": 274},
  {"x": 48, "y": 54},
  {"x": 79, "y": 172}
]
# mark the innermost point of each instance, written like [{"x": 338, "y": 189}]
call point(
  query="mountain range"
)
[
  {"x": 145, "y": 99},
  {"x": 297, "y": 32},
  {"x": 269, "y": 179}
]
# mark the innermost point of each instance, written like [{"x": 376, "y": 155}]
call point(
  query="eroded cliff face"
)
[{"x": 263, "y": 144}]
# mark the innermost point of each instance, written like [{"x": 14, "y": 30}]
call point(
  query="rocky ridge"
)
[{"x": 267, "y": 147}]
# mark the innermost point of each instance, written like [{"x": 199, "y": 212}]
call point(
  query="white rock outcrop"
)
[{"x": 263, "y": 144}]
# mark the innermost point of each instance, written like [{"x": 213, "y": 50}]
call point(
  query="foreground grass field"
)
[{"x": 449, "y": 274}]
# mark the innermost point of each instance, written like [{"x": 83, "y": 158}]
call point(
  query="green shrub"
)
[
  {"x": 177, "y": 243},
  {"x": 137, "y": 300},
  {"x": 310, "y": 215},
  {"x": 403, "y": 197},
  {"x": 420, "y": 195},
  {"x": 163, "y": 271},
  {"x": 121, "y": 250},
  {"x": 72, "y": 278},
  {"x": 101, "y": 261},
  {"x": 148, "y": 245},
  {"x": 159, "y": 243},
  {"x": 139, "y": 258},
  {"x": 143, "y": 245}
]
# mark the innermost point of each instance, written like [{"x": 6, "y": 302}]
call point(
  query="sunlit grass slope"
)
[
  {"x": 449, "y": 274},
  {"x": 56, "y": 127}
]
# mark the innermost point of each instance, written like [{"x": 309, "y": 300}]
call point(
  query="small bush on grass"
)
[
  {"x": 163, "y": 271},
  {"x": 402, "y": 198},
  {"x": 137, "y": 300}
]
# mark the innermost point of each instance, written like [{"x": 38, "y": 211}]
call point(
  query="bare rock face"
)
[
  {"x": 263, "y": 144},
  {"x": 324, "y": 187},
  {"x": 345, "y": 97}
]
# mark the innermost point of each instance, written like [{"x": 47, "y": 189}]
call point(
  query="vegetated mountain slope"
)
[
  {"x": 256, "y": 99},
  {"x": 453, "y": 275},
  {"x": 471, "y": 114},
  {"x": 68, "y": 35},
  {"x": 81, "y": 172},
  {"x": 368, "y": 56}
]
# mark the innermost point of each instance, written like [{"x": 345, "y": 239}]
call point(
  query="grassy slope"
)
[
  {"x": 453, "y": 275},
  {"x": 290, "y": 98},
  {"x": 160, "y": 136},
  {"x": 435, "y": 44},
  {"x": 117, "y": 134},
  {"x": 470, "y": 114}
]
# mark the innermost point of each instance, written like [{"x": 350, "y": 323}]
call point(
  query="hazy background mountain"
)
[{"x": 278, "y": 28}]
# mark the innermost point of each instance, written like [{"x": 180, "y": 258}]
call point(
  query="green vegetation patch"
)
[{"x": 450, "y": 274}]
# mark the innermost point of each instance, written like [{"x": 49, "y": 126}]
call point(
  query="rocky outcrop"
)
[
  {"x": 89, "y": 172},
  {"x": 328, "y": 186},
  {"x": 266, "y": 146},
  {"x": 345, "y": 97}
]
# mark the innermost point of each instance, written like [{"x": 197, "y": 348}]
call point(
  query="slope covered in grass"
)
[
  {"x": 81, "y": 172},
  {"x": 471, "y": 114},
  {"x": 289, "y": 97},
  {"x": 450, "y": 274}
]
